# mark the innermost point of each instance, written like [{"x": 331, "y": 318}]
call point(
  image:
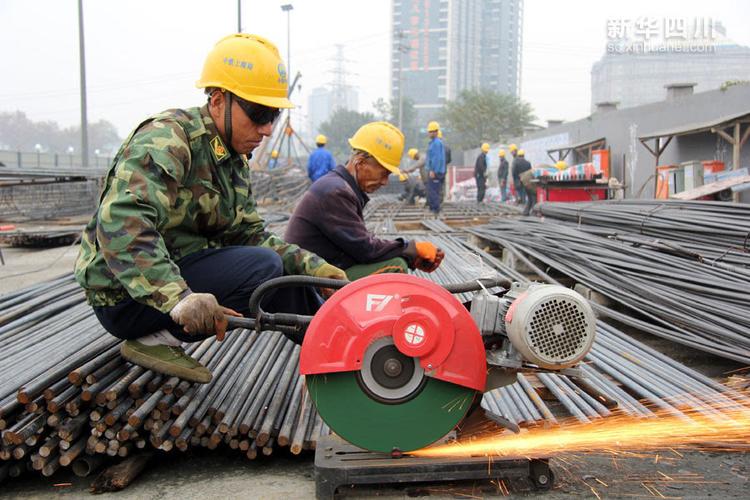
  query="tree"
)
[
  {"x": 388, "y": 111},
  {"x": 482, "y": 115},
  {"x": 340, "y": 127},
  {"x": 18, "y": 133}
]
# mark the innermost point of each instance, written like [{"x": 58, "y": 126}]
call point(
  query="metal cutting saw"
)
[{"x": 394, "y": 362}]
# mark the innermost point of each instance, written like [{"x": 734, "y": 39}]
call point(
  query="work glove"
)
[
  {"x": 329, "y": 271},
  {"x": 200, "y": 313},
  {"x": 424, "y": 255}
]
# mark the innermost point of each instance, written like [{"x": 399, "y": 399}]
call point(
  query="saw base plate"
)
[{"x": 338, "y": 463}]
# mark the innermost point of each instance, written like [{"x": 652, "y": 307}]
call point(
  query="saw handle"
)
[
  {"x": 287, "y": 281},
  {"x": 296, "y": 324}
]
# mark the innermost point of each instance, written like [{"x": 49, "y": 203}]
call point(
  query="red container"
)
[
  {"x": 574, "y": 194},
  {"x": 712, "y": 166}
]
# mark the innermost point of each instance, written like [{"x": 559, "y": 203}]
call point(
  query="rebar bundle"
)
[
  {"x": 716, "y": 232},
  {"x": 692, "y": 302},
  {"x": 67, "y": 395}
]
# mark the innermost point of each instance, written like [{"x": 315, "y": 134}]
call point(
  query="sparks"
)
[{"x": 614, "y": 434}]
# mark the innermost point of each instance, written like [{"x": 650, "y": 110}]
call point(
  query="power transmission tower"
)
[{"x": 339, "y": 87}]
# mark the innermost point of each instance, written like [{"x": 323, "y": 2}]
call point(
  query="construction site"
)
[{"x": 432, "y": 309}]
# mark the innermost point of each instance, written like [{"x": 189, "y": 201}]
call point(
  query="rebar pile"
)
[
  {"x": 66, "y": 395},
  {"x": 702, "y": 305},
  {"x": 68, "y": 398},
  {"x": 383, "y": 211},
  {"x": 620, "y": 372},
  {"x": 32, "y": 201},
  {"x": 42, "y": 238},
  {"x": 716, "y": 232},
  {"x": 282, "y": 186}
]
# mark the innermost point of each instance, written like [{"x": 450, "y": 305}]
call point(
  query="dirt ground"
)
[
  {"x": 226, "y": 474},
  {"x": 220, "y": 475}
]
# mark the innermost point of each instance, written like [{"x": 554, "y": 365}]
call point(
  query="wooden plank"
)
[{"x": 712, "y": 188}]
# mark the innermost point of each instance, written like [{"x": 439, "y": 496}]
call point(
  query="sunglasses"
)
[{"x": 258, "y": 113}]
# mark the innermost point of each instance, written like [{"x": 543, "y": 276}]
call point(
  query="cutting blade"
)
[{"x": 390, "y": 404}]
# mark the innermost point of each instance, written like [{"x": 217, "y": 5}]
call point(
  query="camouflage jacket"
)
[{"x": 173, "y": 189}]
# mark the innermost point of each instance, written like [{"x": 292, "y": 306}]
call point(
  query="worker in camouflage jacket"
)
[{"x": 176, "y": 243}]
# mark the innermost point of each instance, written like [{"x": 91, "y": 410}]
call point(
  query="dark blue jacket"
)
[
  {"x": 320, "y": 163},
  {"x": 328, "y": 221}
]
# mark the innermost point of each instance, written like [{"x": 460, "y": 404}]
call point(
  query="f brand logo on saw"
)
[{"x": 377, "y": 302}]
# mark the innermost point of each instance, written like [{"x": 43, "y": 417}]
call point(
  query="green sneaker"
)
[{"x": 166, "y": 359}]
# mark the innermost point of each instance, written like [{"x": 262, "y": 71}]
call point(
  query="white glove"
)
[{"x": 200, "y": 313}]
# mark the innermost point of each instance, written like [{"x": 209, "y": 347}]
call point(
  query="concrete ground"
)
[
  {"x": 24, "y": 267},
  {"x": 203, "y": 474}
]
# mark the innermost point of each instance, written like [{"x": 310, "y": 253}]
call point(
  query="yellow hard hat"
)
[
  {"x": 412, "y": 153},
  {"x": 383, "y": 141},
  {"x": 521, "y": 152},
  {"x": 433, "y": 126},
  {"x": 561, "y": 165},
  {"x": 274, "y": 154},
  {"x": 440, "y": 134},
  {"x": 321, "y": 139},
  {"x": 501, "y": 153},
  {"x": 248, "y": 66},
  {"x": 513, "y": 147},
  {"x": 485, "y": 147}
]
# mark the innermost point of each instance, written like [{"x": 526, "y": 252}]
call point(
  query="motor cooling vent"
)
[
  {"x": 552, "y": 326},
  {"x": 558, "y": 330}
]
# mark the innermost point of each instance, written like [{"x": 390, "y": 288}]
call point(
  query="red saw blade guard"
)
[{"x": 424, "y": 319}]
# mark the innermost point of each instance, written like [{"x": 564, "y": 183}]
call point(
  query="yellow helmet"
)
[
  {"x": 561, "y": 165},
  {"x": 321, "y": 139},
  {"x": 383, "y": 141},
  {"x": 433, "y": 126},
  {"x": 521, "y": 152},
  {"x": 440, "y": 134},
  {"x": 513, "y": 147},
  {"x": 501, "y": 153},
  {"x": 274, "y": 154},
  {"x": 485, "y": 147},
  {"x": 248, "y": 66},
  {"x": 412, "y": 153}
]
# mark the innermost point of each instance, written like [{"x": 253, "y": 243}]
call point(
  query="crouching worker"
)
[
  {"x": 328, "y": 220},
  {"x": 176, "y": 242}
]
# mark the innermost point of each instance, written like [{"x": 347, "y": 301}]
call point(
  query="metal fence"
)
[{"x": 22, "y": 159}]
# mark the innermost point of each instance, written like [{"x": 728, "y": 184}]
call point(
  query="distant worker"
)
[
  {"x": 520, "y": 194},
  {"x": 561, "y": 165},
  {"x": 448, "y": 160},
  {"x": 526, "y": 178},
  {"x": 480, "y": 172},
  {"x": 502, "y": 176},
  {"x": 329, "y": 221},
  {"x": 274, "y": 161},
  {"x": 321, "y": 160},
  {"x": 415, "y": 183},
  {"x": 435, "y": 167}
]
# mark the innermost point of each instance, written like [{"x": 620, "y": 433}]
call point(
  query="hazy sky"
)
[{"x": 145, "y": 56}]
